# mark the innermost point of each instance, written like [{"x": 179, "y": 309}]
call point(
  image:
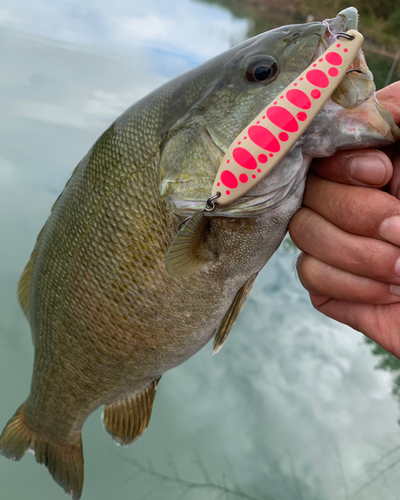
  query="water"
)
[{"x": 293, "y": 407}]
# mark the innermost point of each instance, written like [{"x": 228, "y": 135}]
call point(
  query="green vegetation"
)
[
  {"x": 379, "y": 23},
  {"x": 393, "y": 22},
  {"x": 379, "y": 19},
  {"x": 389, "y": 363}
]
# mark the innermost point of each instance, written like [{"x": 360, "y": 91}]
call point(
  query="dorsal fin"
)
[
  {"x": 24, "y": 287},
  {"x": 188, "y": 251},
  {"x": 232, "y": 314},
  {"x": 24, "y": 284}
]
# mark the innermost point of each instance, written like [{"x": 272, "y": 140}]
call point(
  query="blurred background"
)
[{"x": 295, "y": 406}]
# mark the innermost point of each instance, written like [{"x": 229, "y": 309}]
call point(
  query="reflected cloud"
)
[
  {"x": 51, "y": 113},
  {"x": 118, "y": 27},
  {"x": 289, "y": 389},
  {"x": 143, "y": 29},
  {"x": 108, "y": 105},
  {"x": 388, "y": 363}
]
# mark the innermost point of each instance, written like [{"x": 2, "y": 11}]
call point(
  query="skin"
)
[{"x": 349, "y": 232}]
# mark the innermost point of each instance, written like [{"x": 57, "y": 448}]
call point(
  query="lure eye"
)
[{"x": 262, "y": 71}]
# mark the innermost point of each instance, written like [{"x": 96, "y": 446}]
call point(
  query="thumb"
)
[{"x": 369, "y": 167}]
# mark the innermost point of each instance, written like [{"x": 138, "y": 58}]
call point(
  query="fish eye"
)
[{"x": 262, "y": 70}]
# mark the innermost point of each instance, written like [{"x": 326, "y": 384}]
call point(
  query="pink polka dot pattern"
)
[
  {"x": 283, "y": 119},
  {"x": 229, "y": 180},
  {"x": 317, "y": 78},
  {"x": 262, "y": 158},
  {"x": 264, "y": 138},
  {"x": 244, "y": 158},
  {"x": 283, "y": 136},
  {"x": 299, "y": 98},
  {"x": 334, "y": 58},
  {"x": 270, "y": 133}
]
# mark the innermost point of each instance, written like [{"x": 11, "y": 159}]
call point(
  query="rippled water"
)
[{"x": 293, "y": 407}]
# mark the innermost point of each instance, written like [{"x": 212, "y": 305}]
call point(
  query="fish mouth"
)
[
  {"x": 358, "y": 74},
  {"x": 346, "y": 20}
]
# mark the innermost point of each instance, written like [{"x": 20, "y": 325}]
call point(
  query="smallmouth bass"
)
[{"x": 106, "y": 318}]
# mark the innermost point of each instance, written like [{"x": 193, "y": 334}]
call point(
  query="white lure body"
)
[{"x": 268, "y": 138}]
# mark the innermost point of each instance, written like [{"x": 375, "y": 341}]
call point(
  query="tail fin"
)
[{"x": 65, "y": 462}]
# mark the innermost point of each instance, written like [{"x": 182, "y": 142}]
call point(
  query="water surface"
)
[{"x": 293, "y": 407}]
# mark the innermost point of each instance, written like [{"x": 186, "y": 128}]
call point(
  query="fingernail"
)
[
  {"x": 390, "y": 230},
  {"x": 394, "y": 289},
  {"x": 368, "y": 169},
  {"x": 397, "y": 267}
]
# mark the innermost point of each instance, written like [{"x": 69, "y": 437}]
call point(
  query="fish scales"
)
[
  {"x": 96, "y": 303},
  {"x": 107, "y": 319}
]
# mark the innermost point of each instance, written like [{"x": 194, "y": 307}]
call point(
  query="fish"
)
[{"x": 107, "y": 319}]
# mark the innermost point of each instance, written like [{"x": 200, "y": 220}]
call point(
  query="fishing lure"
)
[{"x": 263, "y": 143}]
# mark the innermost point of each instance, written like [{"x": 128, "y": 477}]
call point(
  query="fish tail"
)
[{"x": 64, "y": 461}]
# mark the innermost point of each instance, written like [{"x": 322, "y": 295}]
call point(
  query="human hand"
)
[{"x": 349, "y": 233}]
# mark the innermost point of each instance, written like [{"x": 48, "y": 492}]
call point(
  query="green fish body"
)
[{"x": 107, "y": 320}]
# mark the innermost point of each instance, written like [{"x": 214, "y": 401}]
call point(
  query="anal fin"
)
[
  {"x": 126, "y": 420},
  {"x": 232, "y": 314}
]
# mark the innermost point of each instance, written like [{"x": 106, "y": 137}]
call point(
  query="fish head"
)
[{"x": 236, "y": 86}]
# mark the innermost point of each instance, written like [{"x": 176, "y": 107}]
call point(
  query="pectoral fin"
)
[
  {"x": 232, "y": 315},
  {"x": 189, "y": 250},
  {"x": 126, "y": 420}
]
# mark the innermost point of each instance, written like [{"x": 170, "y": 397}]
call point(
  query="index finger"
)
[
  {"x": 356, "y": 210},
  {"x": 389, "y": 98}
]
